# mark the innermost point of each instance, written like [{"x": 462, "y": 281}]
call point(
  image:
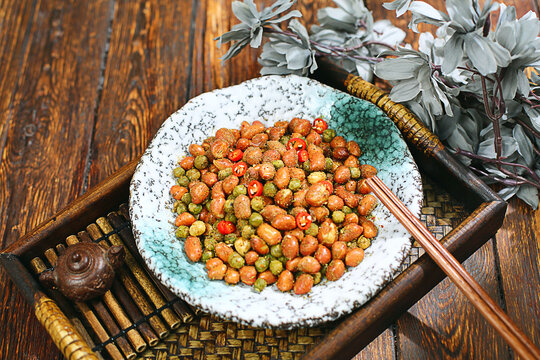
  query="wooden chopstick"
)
[{"x": 455, "y": 271}]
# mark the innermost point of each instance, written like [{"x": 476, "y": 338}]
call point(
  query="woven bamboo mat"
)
[{"x": 138, "y": 318}]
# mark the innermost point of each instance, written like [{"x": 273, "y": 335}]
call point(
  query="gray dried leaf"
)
[
  {"x": 524, "y": 145},
  {"x": 507, "y": 192},
  {"x": 534, "y": 115},
  {"x": 529, "y": 194},
  {"x": 398, "y": 68},
  {"x": 405, "y": 90},
  {"x": 453, "y": 53},
  {"x": 401, "y": 6},
  {"x": 479, "y": 52},
  {"x": 487, "y": 148}
]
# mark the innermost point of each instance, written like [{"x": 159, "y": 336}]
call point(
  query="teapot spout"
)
[{"x": 116, "y": 255}]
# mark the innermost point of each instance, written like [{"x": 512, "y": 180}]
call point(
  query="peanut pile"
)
[{"x": 286, "y": 204}]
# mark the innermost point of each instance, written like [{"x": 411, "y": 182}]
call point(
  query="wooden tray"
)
[{"x": 138, "y": 312}]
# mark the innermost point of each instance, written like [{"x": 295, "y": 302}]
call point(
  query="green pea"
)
[
  {"x": 197, "y": 228},
  {"x": 222, "y": 174},
  {"x": 207, "y": 255},
  {"x": 195, "y": 209},
  {"x": 236, "y": 260},
  {"x": 247, "y": 231},
  {"x": 178, "y": 172},
  {"x": 338, "y": 216},
  {"x": 239, "y": 190},
  {"x": 295, "y": 184},
  {"x": 241, "y": 223},
  {"x": 230, "y": 238},
  {"x": 283, "y": 260},
  {"x": 181, "y": 208},
  {"x": 275, "y": 251},
  {"x": 328, "y": 164},
  {"x": 255, "y": 219},
  {"x": 276, "y": 267},
  {"x": 242, "y": 246},
  {"x": 261, "y": 264},
  {"x": 229, "y": 206},
  {"x": 257, "y": 203},
  {"x": 306, "y": 166},
  {"x": 182, "y": 232},
  {"x": 328, "y": 135},
  {"x": 355, "y": 172},
  {"x": 317, "y": 277},
  {"x": 347, "y": 210},
  {"x": 231, "y": 217},
  {"x": 270, "y": 189},
  {"x": 183, "y": 181},
  {"x": 186, "y": 198},
  {"x": 201, "y": 162},
  {"x": 259, "y": 285},
  {"x": 312, "y": 230},
  {"x": 285, "y": 139},
  {"x": 363, "y": 242},
  {"x": 193, "y": 174},
  {"x": 278, "y": 164},
  {"x": 210, "y": 242}
]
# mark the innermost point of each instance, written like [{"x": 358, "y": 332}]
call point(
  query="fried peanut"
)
[
  {"x": 242, "y": 207},
  {"x": 284, "y": 222},
  {"x": 354, "y": 257},
  {"x": 269, "y": 234},
  {"x": 309, "y": 245},
  {"x": 303, "y": 284},
  {"x": 285, "y": 281}
]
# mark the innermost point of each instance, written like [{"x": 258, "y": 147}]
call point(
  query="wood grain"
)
[
  {"x": 146, "y": 80},
  {"x": 51, "y": 93}
]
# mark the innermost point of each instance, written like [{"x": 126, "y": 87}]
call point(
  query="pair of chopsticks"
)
[{"x": 455, "y": 271}]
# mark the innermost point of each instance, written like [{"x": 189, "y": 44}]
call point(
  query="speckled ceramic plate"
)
[{"x": 270, "y": 99}]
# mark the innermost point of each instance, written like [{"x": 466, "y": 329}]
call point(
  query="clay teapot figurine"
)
[{"x": 84, "y": 271}]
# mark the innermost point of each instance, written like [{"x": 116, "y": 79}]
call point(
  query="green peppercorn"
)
[
  {"x": 222, "y": 174},
  {"x": 210, "y": 242},
  {"x": 363, "y": 242},
  {"x": 347, "y": 210},
  {"x": 306, "y": 166},
  {"x": 285, "y": 139},
  {"x": 312, "y": 230},
  {"x": 178, "y": 172},
  {"x": 195, "y": 209},
  {"x": 270, "y": 189},
  {"x": 239, "y": 190},
  {"x": 317, "y": 277},
  {"x": 295, "y": 184},
  {"x": 338, "y": 216},
  {"x": 181, "y": 208},
  {"x": 236, "y": 260},
  {"x": 182, "y": 232},
  {"x": 276, "y": 267},
  {"x": 241, "y": 223},
  {"x": 193, "y": 174},
  {"x": 355, "y": 172},
  {"x": 229, "y": 206},
  {"x": 201, "y": 162},
  {"x": 197, "y": 228},
  {"x": 328, "y": 135},
  {"x": 231, "y": 217},
  {"x": 255, "y": 219},
  {"x": 207, "y": 255},
  {"x": 275, "y": 251},
  {"x": 183, "y": 181},
  {"x": 283, "y": 260},
  {"x": 261, "y": 264},
  {"x": 278, "y": 164},
  {"x": 257, "y": 203},
  {"x": 328, "y": 164},
  {"x": 259, "y": 285},
  {"x": 247, "y": 231},
  {"x": 242, "y": 246},
  {"x": 230, "y": 238},
  {"x": 186, "y": 198}
]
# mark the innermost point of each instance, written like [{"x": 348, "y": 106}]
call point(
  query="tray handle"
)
[{"x": 62, "y": 332}]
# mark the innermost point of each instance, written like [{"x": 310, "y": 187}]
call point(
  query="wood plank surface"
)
[
  {"x": 51, "y": 95},
  {"x": 85, "y": 85}
]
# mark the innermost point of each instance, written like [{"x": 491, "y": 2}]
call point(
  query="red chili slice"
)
[
  {"x": 303, "y": 220},
  {"x": 255, "y": 188},
  {"x": 226, "y": 227},
  {"x": 329, "y": 186},
  {"x": 240, "y": 168},
  {"x": 236, "y": 155},
  {"x": 297, "y": 144},
  {"x": 303, "y": 156},
  {"x": 319, "y": 125}
]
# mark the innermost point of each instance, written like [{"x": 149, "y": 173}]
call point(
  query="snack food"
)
[{"x": 285, "y": 204}]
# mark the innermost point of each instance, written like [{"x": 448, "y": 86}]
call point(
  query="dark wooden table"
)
[{"x": 84, "y": 85}]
